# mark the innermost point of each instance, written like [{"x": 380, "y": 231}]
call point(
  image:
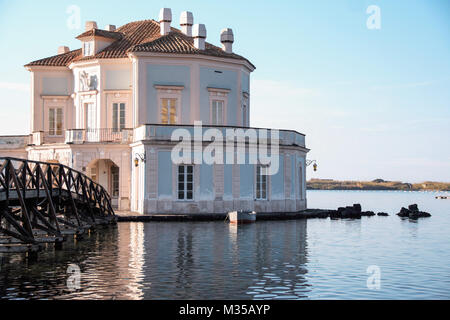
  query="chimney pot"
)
[
  {"x": 186, "y": 22},
  {"x": 227, "y": 39},
  {"x": 110, "y": 27},
  {"x": 199, "y": 34},
  {"x": 63, "y": 49},
  {"x": 90, "y": 25},
  {"x": 165, "y": 19}
]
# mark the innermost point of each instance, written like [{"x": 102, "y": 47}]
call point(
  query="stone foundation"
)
[{"x": 152, "y": 206}]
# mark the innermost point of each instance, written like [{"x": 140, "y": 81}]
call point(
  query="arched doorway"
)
[{"x": 106, "y": 173}]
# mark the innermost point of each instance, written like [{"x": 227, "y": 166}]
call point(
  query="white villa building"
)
[{"x": 110, "y": 108}]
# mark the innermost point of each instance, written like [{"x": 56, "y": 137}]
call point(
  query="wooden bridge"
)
[{"x": 43, "y": 203}]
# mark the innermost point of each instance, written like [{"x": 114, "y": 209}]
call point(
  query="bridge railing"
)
[{"x": 47, "y": 196}]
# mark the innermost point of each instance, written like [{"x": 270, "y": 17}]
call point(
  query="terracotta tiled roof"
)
[
  {"x": 139, "y": 36},
  {"x": 100, "y": 33},
  {"x": 177, "y": 42},
  {"x": 60, "y": 60}
]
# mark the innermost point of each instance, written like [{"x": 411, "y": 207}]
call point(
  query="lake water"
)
[{"x": 303, "y": 259}]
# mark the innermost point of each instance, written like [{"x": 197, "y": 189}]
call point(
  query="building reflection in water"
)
[
  {"x": 131, "y": 249},
  {"x": 197, "y": 260}
]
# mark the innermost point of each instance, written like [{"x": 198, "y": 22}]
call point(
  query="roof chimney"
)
[
  {"x": 186, "y": 22},
  {"x": 63, "y": 49},
  {"x": 110, "y": 27},
  {"x": 227, "y": 39},
  {"x": 90, "y": 25},
  {"x": 199, "y": 34},
  {"x": 165, "y": 18}
]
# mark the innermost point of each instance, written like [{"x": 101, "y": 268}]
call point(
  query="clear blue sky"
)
[{"x": 373, "y": 103}]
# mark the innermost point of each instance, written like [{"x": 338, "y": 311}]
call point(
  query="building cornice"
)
[
  {"x": 55, "y": 97},
  {"x": 197, "y": 57},
  {"x": 97, "y": 62},
  {"x": 46, "y": 68}
]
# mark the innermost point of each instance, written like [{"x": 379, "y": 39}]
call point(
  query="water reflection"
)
[
  {"x": 169, "y": 261},
  {"x": 267, "y": 260},
  {"x": 131, "y": 244}
]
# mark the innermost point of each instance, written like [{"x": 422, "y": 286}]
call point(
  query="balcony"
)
[
  {"x": 39, "y": 138},
  {"x": 80, "y": 136},
  {"x": 164, "y": 133}
]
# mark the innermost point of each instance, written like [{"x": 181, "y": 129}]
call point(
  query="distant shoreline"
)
[{"x": 378, "y": 184}]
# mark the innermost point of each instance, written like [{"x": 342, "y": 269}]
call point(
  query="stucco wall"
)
[
  {"x": 277, "y": 181},
  {"x": 164, "y": 175},
  {"x": 226, "y": 79},
  {"x": 171, "y": 76},
  {"x": 118, "y": 79},
  {"x": 55, "y": 86}
]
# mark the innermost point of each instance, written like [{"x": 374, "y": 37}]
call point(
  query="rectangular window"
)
[
  {"x": 55, "y": 121},
  {"x": 217, "y": 112},
  {"x": 300, "y": 183},
  {"x": 90, "y": 116},
  {"x": 118, "y": 117},
  {"x": 115, "y": 181},
  {"x": 169, "y": 111},
  {"x": 261, "y": 183},
  {"x": 244, "y": 116},
  {"x": 88, "y": 48},
  {"x": 186, "y": 182}
]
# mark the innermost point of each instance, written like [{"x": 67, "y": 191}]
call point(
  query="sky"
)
[{"x": 370, "y": 89}]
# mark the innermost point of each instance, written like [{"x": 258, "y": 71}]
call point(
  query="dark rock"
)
[
  {"x": 334, "y": 214},
  {"x": 383, "y": 214},
  {"x": 357, "y": 207},
  {"x": 424, "y": 214},
  {"x": 351, "y": 213},
  {"x": 419, "y": 214},
  {"x": 368, "y": 213},
  {"x": 404, "y": 212},
  {"x": 323, "y": 215},
  {"x": 413, "y": 212},
  {"x": 414, "y": 215}
]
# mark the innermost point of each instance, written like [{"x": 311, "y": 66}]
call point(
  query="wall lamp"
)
[
  {"x": 312, "y": 162},
  {"x": 139, "y": 156}
]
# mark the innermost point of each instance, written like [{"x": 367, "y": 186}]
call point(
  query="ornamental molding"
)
[{"x": 168, "y": 88}]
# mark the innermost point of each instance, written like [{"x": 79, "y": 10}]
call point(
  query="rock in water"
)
[
  {"x": 403, "y": 212},
  {"x": 413, "y": 212},
  {"x": 424, "y": 214},
  {"x": 334, "y": 214},
  {"x": 357, "y": 207},
  {"x": 383, "y": 214},
  {"x": 368, "y": 214}
]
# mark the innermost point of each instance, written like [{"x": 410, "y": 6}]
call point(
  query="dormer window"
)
[
  {"x": 88, "y": 48},
  {"x": 95, "y": 40}
]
